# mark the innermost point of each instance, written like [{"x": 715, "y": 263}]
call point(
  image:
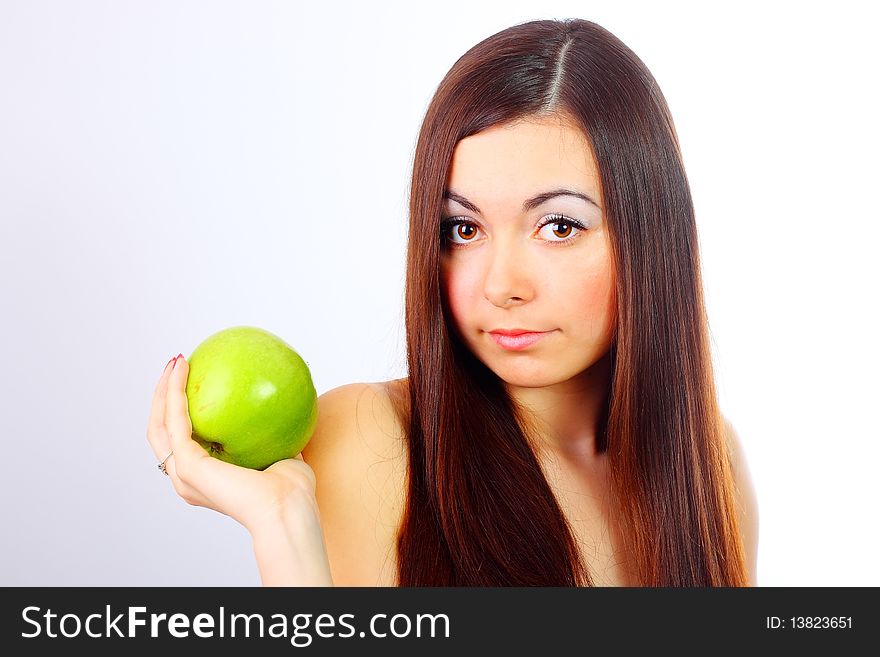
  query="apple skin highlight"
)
[{"x": 251, "y": 398}]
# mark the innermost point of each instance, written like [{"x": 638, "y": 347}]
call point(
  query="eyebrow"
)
[{"x": 528, "y": 204}]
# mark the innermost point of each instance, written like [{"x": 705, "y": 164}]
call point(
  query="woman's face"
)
[{"x": 526, "y": 249}]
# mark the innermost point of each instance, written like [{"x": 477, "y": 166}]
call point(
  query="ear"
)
[{"x": 747, "y": 500}]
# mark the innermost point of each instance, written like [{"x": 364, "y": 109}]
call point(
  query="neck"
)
[{"x": 564, "y": 418}]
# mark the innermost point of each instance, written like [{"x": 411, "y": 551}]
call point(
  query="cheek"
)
[
  {"x": 593, "y": 306},
  {"x": 460, "y": 293}
]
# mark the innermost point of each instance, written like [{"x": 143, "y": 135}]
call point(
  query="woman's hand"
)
[{"x": 256, "y": 499}]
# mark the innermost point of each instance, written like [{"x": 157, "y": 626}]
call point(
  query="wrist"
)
[
  {"x": 289, "y": 544},
  {"x": 297, "y": 508}
]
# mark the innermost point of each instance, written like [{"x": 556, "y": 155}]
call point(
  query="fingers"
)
[
  {"x": 156, "y": 434},
  {"x": 197, "y": 477},
  {"x": 177, "y": 421},
  {"x": 186, "y": 452}
]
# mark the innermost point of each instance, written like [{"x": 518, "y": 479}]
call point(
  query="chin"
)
[{"x": 527, "y": 375}]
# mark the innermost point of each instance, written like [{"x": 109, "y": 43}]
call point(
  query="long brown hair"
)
[{"x": 479, "y": 510}]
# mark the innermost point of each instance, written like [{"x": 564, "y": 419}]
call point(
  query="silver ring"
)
[{"x": 161, "y": 465}]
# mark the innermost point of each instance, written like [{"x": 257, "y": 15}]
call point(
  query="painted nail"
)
[{"x": 168, "y": 363}]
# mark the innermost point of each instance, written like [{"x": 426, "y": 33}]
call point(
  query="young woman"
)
[{"x": 559, "y": 423}]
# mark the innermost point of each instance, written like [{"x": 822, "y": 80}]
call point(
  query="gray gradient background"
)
[{"x": 168, "y": 169}]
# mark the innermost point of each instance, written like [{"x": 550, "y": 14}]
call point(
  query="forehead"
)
[{"x": 530, "y": 155}]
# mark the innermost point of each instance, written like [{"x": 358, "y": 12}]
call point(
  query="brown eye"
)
[
  {"x": 466, "y": 231},
  {"x": 459, "y": 231},
  {"x": 561, "y": 229}
]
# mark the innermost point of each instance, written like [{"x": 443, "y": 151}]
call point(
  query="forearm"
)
[{"x": 290, "y": 549}]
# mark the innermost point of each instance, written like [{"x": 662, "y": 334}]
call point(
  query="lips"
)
[
  {"x": 517, "y": 339},
  {"x": 516, "y": 331}
]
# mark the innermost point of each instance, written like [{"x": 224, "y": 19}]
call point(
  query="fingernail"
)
[{"x": 168, "y": 363}]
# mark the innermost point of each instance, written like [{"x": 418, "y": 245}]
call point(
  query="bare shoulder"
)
[
  {"x": 747, "y": 499},
  {"x": 358, "y": 455},
  {"x": 362, "y": 409}
]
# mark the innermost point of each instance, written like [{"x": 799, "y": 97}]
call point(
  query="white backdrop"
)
[{"x": 168, "y": 169}]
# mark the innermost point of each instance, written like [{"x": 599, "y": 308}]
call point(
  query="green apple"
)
[{"x": 251, "y": 397}]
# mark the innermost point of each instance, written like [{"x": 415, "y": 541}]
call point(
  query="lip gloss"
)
[{"x": 518, "y": 342}]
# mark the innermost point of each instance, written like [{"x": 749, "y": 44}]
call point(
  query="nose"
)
[{"x": 506, "y": 280}]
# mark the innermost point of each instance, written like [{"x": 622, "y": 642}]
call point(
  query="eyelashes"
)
[{"x": 458, "y": 232}]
